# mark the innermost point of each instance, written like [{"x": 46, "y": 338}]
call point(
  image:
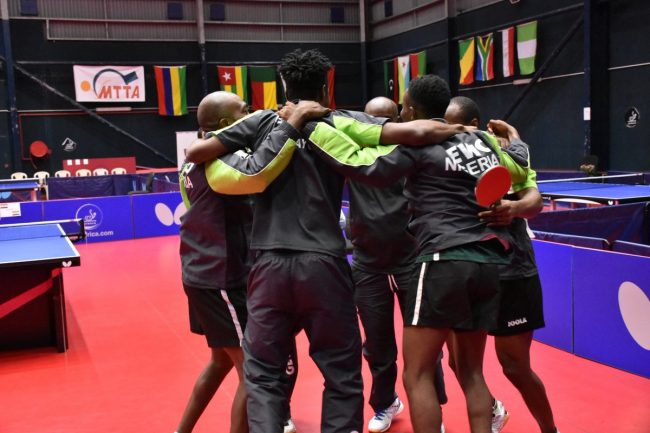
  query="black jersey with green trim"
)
[
  {"x": 300, "y": 209},
  {"x": 214, "y": 233},
  {"x": 379, "y": 221},
  {"x": 440, "y": 182}
]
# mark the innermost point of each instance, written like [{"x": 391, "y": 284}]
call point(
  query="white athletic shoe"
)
[
  {"x": 289, "y": 426},
  {"x": 383, "y": 418},
  {"x": 499, "y": 416}
]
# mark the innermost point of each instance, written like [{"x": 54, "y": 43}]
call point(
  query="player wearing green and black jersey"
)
[
  {"x": 382, "y": 263},
  {"x": 521, "y": 308},
  {"x": 214, "y": 238},
  {"x": 215, "y": 256},
  {"x": 300, "y": 279},
  {"x": 456, "y": 284}
]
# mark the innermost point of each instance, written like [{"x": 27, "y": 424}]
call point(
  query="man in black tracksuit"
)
[{"x": 383, "y": 257}]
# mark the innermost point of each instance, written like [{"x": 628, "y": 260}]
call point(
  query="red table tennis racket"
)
[{"x": 493, "y": 184}]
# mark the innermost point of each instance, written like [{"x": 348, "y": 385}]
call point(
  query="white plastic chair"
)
[
  {"x": 19, "y": 175},
  {"x": 100, "y": 172},
  {"x": 83, "y": 172},
  {"x": 118, "y": 170},
  {"x": 42, "y": 179},
  {"x": 41, "y": 175},
  {"x": 62, "y": 173}
]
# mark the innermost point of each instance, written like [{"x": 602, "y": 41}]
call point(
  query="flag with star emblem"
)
[
  {"x": 234, "y": 79},
  {"x": 404, "y": 75}
]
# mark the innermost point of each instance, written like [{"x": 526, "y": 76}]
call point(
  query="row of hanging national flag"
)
[
  {"x": 476, "y": 55},
  {"x": 399, "y": 72},
  {"x": 261, "y": 80},
  {"x": 263, "y": 84}
]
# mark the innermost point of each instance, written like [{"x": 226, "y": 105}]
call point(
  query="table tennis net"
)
[{"x": 72, "y": 229}]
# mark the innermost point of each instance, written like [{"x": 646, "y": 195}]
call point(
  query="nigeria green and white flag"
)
[{"x": 527, "y": 47}]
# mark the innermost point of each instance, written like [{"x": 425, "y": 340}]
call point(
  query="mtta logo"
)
[
  {"x": 109, "y": 83},
  {"x": 91, "y": 214}
]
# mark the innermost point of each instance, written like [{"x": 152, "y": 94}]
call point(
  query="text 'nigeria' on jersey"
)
[{"x": 471, "y": 158}]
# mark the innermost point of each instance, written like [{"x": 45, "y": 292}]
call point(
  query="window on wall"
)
[
  {"x": 174, "y": 11},
  {"x": 388, "y": 8},
  {"x": 337, "y": 14},
  {"x": 28, "y": 8},
  {"x": 217, "y": 12}
]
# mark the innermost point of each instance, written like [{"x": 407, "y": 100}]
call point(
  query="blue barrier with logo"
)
[
  {"x": 554, "y": 262},
  {"x": 625, "y": 222},
  {"x": 157, "y": 214},
  {"x": 105, "y": 218},
  {"x": 612, "y": 309},
  {"x": 30, "y": 211}
]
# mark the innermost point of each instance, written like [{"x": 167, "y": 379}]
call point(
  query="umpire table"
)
[
  {"x": 605, "y": 193},
  {"x": 32, "y": 300}
]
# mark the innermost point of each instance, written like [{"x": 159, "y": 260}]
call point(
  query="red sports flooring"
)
[{"x": 132, "y": 363}]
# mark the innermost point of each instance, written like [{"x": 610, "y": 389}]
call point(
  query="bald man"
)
[
  {"x": 215, "y": 266},
  {"x": 383, "y": 257},
  {"x": 218, "y": 110},
  {"x": 215, "y": 236}
]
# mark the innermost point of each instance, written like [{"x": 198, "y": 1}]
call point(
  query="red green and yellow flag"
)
[
  {"x": 170, "y": 86},
  {"x": 234, "y": 79},
  {"x": 466, "y": 60},
  {"x": 263, "y": 88},
  {"x": 330, "y": 86},
  {"x": 418, "y": 64}
]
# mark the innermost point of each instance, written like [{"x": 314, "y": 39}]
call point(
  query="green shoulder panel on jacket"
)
[
  {"x": 364, "y": 134},
  {"x": 341, "y": 147},
  {"x": 229, "y": 178},
  {"x": 518, "y": 173},
  {"x": 530, "y": 182}
]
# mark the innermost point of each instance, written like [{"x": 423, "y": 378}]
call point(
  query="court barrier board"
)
[
  {"x": 105, "y": 218},
  {"x": 626, "y": 222},
  {"x": 157, "y": 214},
  {"x": 631, "y": 248},
  {"x": 21, "y": 212},
  {"x": 107, "y": 186},
  {"x": 554, "y": 264},
  {"x": 578, "y": 241},
  {"x": 596, "y": 304}
]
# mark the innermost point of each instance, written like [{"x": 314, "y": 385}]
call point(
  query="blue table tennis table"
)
[
  {"x": 11, "y": 185},
  {"x": 605, "y": 193},
  {"x": 32, "y": 301}
]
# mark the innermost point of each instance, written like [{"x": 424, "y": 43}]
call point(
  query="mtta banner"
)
[{"x": 109, "y": 83}]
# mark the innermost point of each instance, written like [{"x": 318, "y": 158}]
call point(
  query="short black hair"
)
[
  {"x": 304, "y": 74},
  {"x": 430, "y": 95},
  {"x": 468, "y": 109}
]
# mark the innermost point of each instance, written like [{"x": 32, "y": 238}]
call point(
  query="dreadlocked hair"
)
[{"x": 304, "y": 74}]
